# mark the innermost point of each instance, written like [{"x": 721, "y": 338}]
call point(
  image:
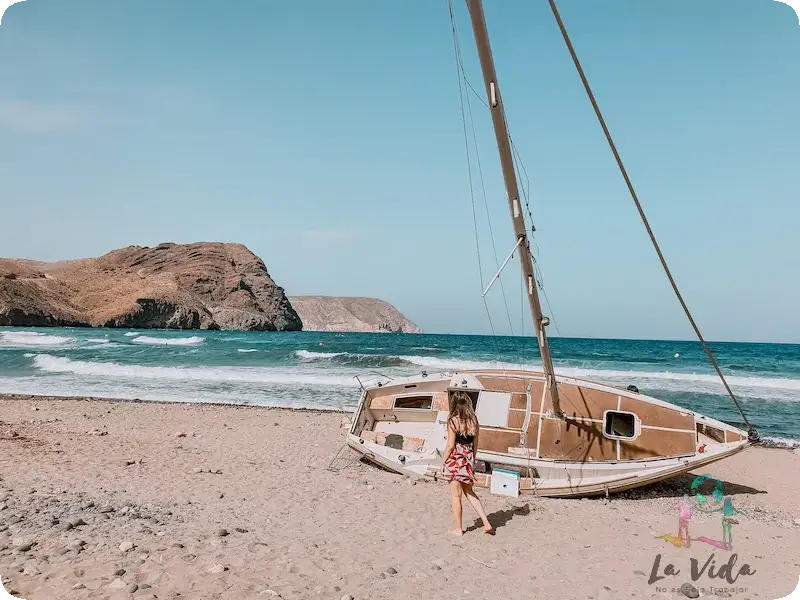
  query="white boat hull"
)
[{"x": 401, "y": 426}]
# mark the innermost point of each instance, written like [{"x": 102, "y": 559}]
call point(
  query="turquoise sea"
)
[{"x": 319, "y": 370}]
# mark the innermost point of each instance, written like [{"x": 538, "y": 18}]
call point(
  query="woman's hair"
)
[{"x": 462, "y": 415}]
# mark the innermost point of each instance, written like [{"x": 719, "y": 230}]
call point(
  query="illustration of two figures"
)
[{"x": 717, "y": 503}]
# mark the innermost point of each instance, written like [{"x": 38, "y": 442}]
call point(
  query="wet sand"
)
[{"x": 105, "y": 499}]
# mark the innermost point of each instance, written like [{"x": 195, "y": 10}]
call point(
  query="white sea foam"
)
[
  {"x": 246, "y": 350},
  {"x": 132, "y": 334},
  {"x": 776, "y": 388},
  {"x": 154, "y": 341},
  {"x": 26, "y": 339},
  {"x": 255, "y": 375},
  {"x": 307, "y": 355},
  {"x": 780, "y": 442},
  {"x": 677, "y": 378},
  {"x": 98, "y": 340}
]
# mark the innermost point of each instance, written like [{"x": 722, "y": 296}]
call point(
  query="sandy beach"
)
[{"x": 106, "y": 499}]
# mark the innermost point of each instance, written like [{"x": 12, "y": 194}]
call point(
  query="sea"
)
[{"x": 324, "y": 370}]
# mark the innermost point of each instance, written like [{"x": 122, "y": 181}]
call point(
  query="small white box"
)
[{"x": 504, "y": 483}]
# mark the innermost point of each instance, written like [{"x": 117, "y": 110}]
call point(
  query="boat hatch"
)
[{"x": 621, "y": 425}]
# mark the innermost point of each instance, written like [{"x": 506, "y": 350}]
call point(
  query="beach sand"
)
[{"x": 104, "y": 499}]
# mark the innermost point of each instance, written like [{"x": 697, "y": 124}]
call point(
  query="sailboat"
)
[{"x": 541, "y": 433}]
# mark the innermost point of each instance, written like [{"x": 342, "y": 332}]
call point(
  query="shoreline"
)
[
  {"x": 768, "y": 442},
  {"x": 5, "y": 396},
  {"x": 100, "y": 497}
]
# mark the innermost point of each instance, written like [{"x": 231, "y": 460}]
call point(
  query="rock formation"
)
[
  {"x": 171, "y": 286},
  {"x": 334, "y": 313}
]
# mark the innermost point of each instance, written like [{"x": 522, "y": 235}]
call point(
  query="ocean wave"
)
[
  {"x": 308, "y": 355},
  {"x": 154, "y": 341},
  {"x": 782, "y": 388},
  {"x": 246, "y": 350},
  {"x": 26, "y": 339},
  {"x": 132, "y": 334},
  {"x": 98, "y": 340},
  {"x": 778, "y": 383},
  {"x": 256, "y": 375},
  {"x": 353, "y": 360},
  {"x": 779, "y": 442}
]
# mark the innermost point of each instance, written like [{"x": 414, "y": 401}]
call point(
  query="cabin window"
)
[
  {"x": 619, "y": 425},
  {"x": 417, "y": 402}
]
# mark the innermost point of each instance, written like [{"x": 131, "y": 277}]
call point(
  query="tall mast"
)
[{"x": 512, "y": 189}]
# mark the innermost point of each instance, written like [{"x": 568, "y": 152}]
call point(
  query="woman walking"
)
[{"x": 459, "y": 460}]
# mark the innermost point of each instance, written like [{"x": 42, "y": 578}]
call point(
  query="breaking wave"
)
[
  {"x": 154, "y": 341},
  {"x": 132, "y": 334},
  {"x": 246, "y": 350},
  {"x": 773, "y": 388},
  {"x": 257, "y": 375},
  {"x": 307, "y": 355},
  {"x": 26, "y": 339}
]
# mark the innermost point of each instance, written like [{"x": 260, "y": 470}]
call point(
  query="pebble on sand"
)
[
  {"x": 117, "y": 584},
  {"x": 222, "y": 532},
  {"x": 217, "y": 568},
  {"x": 127, "y": 546},
  {"x": 76, "y": 521},
  {"x": 688, "y": 590}
]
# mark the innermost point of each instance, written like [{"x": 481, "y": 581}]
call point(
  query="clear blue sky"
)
[{"x": 327, "y": 137}]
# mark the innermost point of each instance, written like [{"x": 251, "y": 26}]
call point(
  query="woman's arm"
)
[
  {"x": 451, "y": 443},
  {"x": 475, "y": 439}
]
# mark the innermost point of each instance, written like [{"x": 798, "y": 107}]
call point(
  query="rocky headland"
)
[
  {"x": 170, "y": 286},
  {"x": 336, "y": 313}
]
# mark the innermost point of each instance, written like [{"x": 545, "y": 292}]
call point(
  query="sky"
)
[{"x": 327, "y": 137}]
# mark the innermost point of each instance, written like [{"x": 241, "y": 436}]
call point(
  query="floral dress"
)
[{"x": 461, "y": 464}]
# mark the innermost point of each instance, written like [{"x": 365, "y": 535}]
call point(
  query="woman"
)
[{"x": 459, "y": 459}]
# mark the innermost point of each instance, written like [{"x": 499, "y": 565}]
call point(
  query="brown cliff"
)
[
  {"x": 336, "y": 313},
  {"x": 171, "y": 286}
]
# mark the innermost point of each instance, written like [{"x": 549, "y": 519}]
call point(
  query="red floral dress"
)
[{"x": 461, "y": 464}]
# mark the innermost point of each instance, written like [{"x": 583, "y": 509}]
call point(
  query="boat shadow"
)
[
  {"x": 502, "y": 517},
  {"x": 681, "y": 485}
]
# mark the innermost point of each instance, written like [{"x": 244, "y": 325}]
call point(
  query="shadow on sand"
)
[
  {"x": 682, "y": 485},
  {"x": 499, "y": 518}
]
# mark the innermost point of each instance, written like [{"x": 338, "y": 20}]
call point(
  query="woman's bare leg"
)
[
  {"x": 475, "y": 502},
  {"x": 455, "y": 492}
]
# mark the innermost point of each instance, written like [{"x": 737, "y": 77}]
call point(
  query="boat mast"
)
[{"x": 512, "y": 189}]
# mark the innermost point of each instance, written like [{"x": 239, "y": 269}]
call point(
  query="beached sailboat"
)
[{"x": 541, "y": 432}]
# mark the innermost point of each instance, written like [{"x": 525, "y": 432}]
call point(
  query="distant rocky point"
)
[
  {"x": 171, "y": 286},
  {"x": 335, "y": 313}
]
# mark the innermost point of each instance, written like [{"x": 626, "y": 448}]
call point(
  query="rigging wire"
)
[
  {"x": 462, "y": 95},
  {"x": 459, "y": 69},
  {"x": 752, "y": 433},
  {"x": 486, "y": 205}
]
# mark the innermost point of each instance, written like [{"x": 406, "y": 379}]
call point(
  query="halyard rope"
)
[{"x": 751, "y": 430}]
